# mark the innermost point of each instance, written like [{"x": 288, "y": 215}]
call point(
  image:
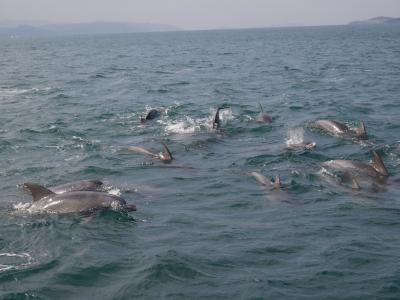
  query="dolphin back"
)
[{"x": 82, "y": 185}]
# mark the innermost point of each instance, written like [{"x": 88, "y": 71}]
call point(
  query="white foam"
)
[
  {"x": 6, "y": 266},
  {"x": 186, "y": 126},
  {"x": 112, "y": 190}
]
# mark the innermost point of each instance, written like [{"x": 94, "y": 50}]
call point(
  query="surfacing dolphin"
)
[
  {"x": 340, "y": 129},
  {"x": 151, "y": 114},
  {"x": 265, "y": 182},
  {"x": 164, "y": 156},
  {"x": 45, "y": 200},
  {"x": 273, "y": 189},
  {"x": 263, "y": 117},
  {"x": 376, "y": 170},
  {"x": 81, "y": 185}
]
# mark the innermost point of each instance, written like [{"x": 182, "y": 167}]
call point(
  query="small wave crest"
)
[
  {"x": 10, "y": 92},
  {"x": 15, "y": 261}
]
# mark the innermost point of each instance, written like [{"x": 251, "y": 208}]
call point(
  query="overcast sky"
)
[{"x": 200, "y": 14}]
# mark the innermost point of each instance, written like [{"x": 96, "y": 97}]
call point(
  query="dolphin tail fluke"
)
[
  {"x": 38, "y": 192},
  {"x": 378, "y": 164},
  {"x": 166, "y": 154},
  {"x": 261, "y": 108},
  {"x": 360, "y": 131}
]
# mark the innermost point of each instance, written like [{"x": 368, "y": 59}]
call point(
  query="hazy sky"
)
[{"x": 200, "y": 14}]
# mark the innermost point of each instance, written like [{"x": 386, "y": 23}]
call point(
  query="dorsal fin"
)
[
  {"x": 166, "y": 154},
  {"x": 378, "y": 164},
  {"x": 355, "y": 186},
  {"x": 261, "y": 108},
  {"x": 360, "y": 130},
  {"x": 38, "y": 192},
  {"x": 216, "y": 120},
  {"x": 277, "y": 182}
]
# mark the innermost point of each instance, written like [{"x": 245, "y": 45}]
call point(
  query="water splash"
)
[{"x": 295, "y": 136}]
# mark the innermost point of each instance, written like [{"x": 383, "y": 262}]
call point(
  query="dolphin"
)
[
  {"x": 274, "y": 189},
  {"x": 82, "y": 185},
  {"x": 217, "y": 120},
  {"x": 376, "y": 170},
  {"x": 152, "y": 114},
  {"x": 164, "y": 156},
  {"x": 45, "y": 200},
  {"x": 263, "y": 117},
  {"x": 264, "y": 181},
  {"x": 340, "y": 129}
]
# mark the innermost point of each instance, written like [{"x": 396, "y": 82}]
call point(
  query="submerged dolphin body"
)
[
  {"x": 164, "y": 156},
  {"x": 263, "y": 117},
  {"x": 82, "y": 185},
  {"x": 376, "y": 171},
  {"x": 45, "y": 200},
  {"x": 340, "y": 129},
  {"x": 152, "y": 114}
]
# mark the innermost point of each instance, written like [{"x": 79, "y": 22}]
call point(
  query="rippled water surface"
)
[{"x": 204, "y": 228}]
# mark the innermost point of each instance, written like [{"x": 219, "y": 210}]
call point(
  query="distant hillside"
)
[
  {"x": 377, "y": 21},
  {"x": 81, "y": 28}
]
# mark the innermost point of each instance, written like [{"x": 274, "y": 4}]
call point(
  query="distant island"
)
[
  {"x": 24, "y": 30},
  {"x": 377, "y": 21}
]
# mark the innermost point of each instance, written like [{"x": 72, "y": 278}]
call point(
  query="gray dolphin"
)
[
  {"x": 264, "y": 181},
  {"x": 217, "y": 120},
  {"x": 151, "y": 114},
  {"x": 81, "y": 185},
  {"x": 377, "y": 170},
  {"x": 340, "y": 129},
  {"x": 273, "y": 189},
  {"x": 45, "y": 200},
  {"x": 263, "y": 117},
  {"x": 164, "y": 156}
]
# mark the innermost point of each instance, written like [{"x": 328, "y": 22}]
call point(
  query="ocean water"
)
[{"x": 204, "y": 228}]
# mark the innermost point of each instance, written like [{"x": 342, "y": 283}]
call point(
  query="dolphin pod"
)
[
  {"x": 44, "y": 200},
  {"x": 339, "y": 129}
]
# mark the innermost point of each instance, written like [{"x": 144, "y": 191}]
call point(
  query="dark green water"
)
[{"x": 204, "y": 228}]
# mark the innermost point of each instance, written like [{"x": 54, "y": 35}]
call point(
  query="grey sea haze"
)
[{"x": 204, "y": 228}]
